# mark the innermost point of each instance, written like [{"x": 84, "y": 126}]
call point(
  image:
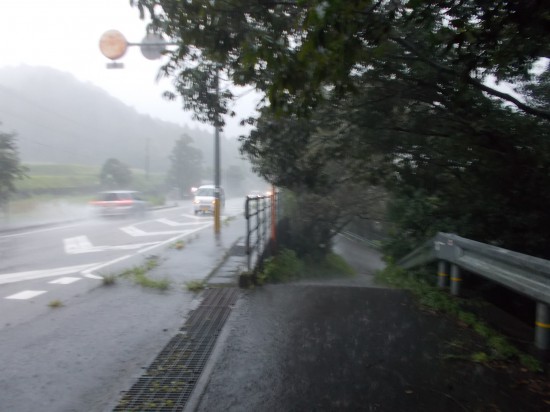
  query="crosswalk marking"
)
[
  {"x": 65, "y": 281},
  {"x": 26, "y": 294}
]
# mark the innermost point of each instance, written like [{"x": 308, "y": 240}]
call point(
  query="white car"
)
[{"x": 205, "y": 197}]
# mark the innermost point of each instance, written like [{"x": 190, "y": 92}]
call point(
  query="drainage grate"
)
[{"x": 168, "y": 382}]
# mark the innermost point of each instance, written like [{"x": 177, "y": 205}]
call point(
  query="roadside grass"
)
[
  {"x": 287, "y": 266},
  {"x": 498, "y": 348},
  {"x": 178, "y": 245},
  {"x": 195, "y": 285},
  {"x": 228, "y": 220},
  {"x": 56, "y": 303},
  {"x": 139, "y": 275},
  {"x": 109, "y": 280}
]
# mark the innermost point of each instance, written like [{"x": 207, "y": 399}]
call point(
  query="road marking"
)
[
  {"x": 172, "y": 223},
  {"x": 81, "y": 244},
  {"x": 78, "y": 244},
  {"x": 37, "y": 231},
  {"x": 193, "y": 216},
  {"x": 89, "y": 272},
  {"x": 37, "y": 274},
  {"x": 135, "y": 232},
  {"x": 65, "y": 281},
  {"x": 26, "y": 294}
]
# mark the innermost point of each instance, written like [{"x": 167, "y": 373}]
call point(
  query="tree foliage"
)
[
  {"x": 185, "y": 165},
  {"x": 367, "y": 94},
  {"x": 115, "y": 175},
  {"x": 10, "y": 166},
  {"x": 295, "y": 50}
]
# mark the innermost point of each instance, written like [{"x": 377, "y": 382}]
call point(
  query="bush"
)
[{"x": 283, "y": 267}]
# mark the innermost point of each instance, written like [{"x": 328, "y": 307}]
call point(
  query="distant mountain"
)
[{"x": 59, "y": 119}]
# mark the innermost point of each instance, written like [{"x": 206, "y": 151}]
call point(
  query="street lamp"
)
[{"x": 114, "y": 45}]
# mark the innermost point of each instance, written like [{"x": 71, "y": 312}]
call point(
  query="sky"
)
[{"x": 64, "y": 34}]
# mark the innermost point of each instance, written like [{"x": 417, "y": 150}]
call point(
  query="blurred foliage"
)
[
  {"x": 282, "y": 267},
  {"x": 11, "y": 169},
  {"x": 286, "y": 265},
  {"x": 374, "y": 104},
  {"x": 115, "y": 175},
  {"x": 185, "y": 166},
  {"x": 438, "y": 300}
]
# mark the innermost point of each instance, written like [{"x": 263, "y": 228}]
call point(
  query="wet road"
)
[
  {"x": 57, "y": 262},
  {"x": 338, "y": 345},
  {"x": 79, "y": 357}
]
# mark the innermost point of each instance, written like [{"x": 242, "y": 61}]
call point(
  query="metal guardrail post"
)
[
  {"x": 442, "y": 274},
  {"x": 247, "y": 216},
  {"x": 542, "y": 326},
  {"x": 456, "y": 280}
]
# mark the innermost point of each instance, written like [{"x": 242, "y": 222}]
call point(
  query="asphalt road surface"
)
[
  {"x": 78, "y": 357},
  {"x": 60, "y": 261},
  {"x": 349, "y": 345}
]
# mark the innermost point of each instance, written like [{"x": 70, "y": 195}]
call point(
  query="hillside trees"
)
[
  {"x": 10, "y": 166},
  {"x": 115, "y": 175},
  {"x": 185, "y": 166}
]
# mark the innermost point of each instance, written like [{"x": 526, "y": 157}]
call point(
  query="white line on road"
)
[
  {"x": 32, "y": 232},
  {"x": 135, "y": 232},
  {"x": 89, "y": 272},
  {"x": 172, "y": 223},
  {"x": 37, "y": 274},
  {"x": 26, "y": 294},
  {"x": 81, "y": 244},
  {"x": 78, "y": 244},
  {"x": 65, "y": 281}
]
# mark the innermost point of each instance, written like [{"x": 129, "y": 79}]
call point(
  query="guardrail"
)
[
  {"x": 527, "y": 275},
  {"x": 261, "y": 222},
  {"x": 371, "y": 243}
]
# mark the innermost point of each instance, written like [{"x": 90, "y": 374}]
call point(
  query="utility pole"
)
[
  {"x": 113, "y": 45},
  {"x": 147, "y": 158},
  {"x": 217, "y": 182}
]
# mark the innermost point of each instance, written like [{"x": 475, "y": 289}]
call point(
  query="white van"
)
[{"x": 204, "y": 199}]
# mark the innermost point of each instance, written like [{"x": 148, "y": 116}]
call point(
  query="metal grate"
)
[{"x": 168, "y": 382}]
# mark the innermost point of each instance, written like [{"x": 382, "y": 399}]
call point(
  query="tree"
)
[
  {"x": 294, "y": 51},
  {"x": 115, "y": 175},
  {"x": 10, "y": 166},
  {"x": 185, "y": 165},
  {"x": 384, "y": 93}
]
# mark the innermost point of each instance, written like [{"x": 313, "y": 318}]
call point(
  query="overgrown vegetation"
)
[
  {"x": 178, "y": 245},
  {"x": 55, "y": 304},
  {"x": 11, "y": 170},
  {"x": 382, "y": 102},
  {"x": 139, "y": 274},
  {"x": 195, "y": 285},
  {"x": 287, "y": 266},
  {"x": 109, "y": 280},
  {"x": 434, "y": 299}
]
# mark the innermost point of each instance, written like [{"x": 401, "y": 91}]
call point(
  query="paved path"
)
[{"x": 338, "y": 345}]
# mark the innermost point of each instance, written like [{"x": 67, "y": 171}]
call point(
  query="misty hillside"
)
[{"x": 59, "y": 119}]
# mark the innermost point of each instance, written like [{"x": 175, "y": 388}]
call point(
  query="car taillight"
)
[{"x": 125, "y": 202}]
